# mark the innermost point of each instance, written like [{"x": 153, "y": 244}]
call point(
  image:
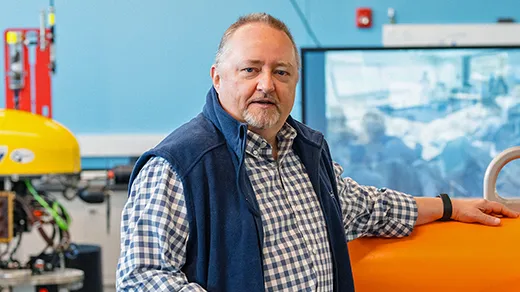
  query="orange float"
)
[{"x": 441, "y": 256}]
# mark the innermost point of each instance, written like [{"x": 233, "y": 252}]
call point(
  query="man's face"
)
[{"x": 257, "y": 76}]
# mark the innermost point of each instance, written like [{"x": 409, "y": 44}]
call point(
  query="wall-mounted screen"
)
[{"x": 419, "y": 120}]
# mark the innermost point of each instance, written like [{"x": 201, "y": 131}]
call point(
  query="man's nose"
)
[{"x": 266, "y": 83}]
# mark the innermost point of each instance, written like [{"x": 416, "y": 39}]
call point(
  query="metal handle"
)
[{"x": 490, "y": 178}]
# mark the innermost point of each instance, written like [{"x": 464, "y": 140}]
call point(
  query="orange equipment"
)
[{"x": 441, "y": 256}]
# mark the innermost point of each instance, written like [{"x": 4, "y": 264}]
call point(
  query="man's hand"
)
[
  {"x": 463, "y": 210},
  {"x": 480, "y": 211}
]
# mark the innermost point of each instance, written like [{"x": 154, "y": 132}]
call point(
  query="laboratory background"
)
[{"x": 417, "y": 96}]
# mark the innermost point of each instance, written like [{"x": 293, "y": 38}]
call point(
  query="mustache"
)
[{"x": 266, "y": 98}]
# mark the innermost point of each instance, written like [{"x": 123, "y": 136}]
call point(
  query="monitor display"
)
[{"x": 419, "y": 120}]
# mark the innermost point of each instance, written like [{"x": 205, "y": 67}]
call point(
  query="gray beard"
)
[{"x": 263, "y": 120}]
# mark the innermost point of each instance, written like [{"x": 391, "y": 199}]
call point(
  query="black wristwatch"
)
[{"x": 448, "y": 209}]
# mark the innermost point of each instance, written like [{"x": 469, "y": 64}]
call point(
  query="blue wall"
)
[{"x": 133, "y": 66}]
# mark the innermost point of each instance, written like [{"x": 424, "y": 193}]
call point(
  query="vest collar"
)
[{"x": 234, "y": 131}]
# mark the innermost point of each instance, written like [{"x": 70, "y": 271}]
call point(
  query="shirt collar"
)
[{"x": 257, "y": 146}]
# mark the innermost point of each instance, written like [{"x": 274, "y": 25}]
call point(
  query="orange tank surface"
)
[{"x": 443, "y": 256}]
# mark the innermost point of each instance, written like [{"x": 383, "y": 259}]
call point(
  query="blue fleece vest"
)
[{"x": 224, "y": 249}]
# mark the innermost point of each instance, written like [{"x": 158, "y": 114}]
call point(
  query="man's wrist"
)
[{"x": 429, "y": 209}]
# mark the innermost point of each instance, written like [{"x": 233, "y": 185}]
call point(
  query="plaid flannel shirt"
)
[{"x": 296, "y": 250}]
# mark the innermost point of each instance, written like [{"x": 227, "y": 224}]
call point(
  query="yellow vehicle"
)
[{"x": 33, "y": 145}]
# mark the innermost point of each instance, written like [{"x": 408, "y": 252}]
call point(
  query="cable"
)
[
  {"x": 36, "y": 223},
  {"x": 305, "y": 22},
  {"x": 15, "y": 248},
  {"x": 64, "y": 225}
]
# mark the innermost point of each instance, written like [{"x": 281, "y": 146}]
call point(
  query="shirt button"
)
[
  {"x": 255, "y": 153},
  {"x": 315, "y": 251}
]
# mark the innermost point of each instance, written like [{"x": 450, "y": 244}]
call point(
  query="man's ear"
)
[{"x": 215, "y": 77}]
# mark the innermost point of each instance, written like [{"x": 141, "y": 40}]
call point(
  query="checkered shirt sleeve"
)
[
  {"x": 369, "y": 211},
  {"x": 154, "y": 231}
]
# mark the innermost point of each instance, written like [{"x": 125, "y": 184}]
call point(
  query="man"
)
[{"x": 244, "y": 198}]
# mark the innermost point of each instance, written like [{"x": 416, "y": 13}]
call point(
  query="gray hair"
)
[{"x": 255, "y": 18}]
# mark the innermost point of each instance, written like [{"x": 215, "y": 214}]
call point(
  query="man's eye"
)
[
  {"x": 282, "y": 73},
  {"x": 249, "y": 70}
]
